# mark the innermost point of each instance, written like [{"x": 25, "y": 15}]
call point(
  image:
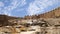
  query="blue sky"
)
[{"x": 20, "y": 8}]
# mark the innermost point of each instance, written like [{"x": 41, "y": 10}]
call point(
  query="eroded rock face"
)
[
  {"x": 52, "y": 14},
  {"x": 4, "y": 20}
]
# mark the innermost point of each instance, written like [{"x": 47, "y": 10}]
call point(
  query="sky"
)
[{"x": 20, "y": 8}]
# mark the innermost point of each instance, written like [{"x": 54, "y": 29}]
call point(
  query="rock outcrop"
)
[{"x": 7, "y": 20}]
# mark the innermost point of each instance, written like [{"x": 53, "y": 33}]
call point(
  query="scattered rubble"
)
[{"x": 40, "y": 26}]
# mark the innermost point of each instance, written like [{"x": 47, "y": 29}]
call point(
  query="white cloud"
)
[
  {"x": 38, "y": 6},
  {"x": 14, "y": 4},
  {"x": 1, "y": 4},
  {"x": 32, "y": 8}
]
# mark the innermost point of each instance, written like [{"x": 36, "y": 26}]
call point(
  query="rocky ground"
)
[{"x": 33, "y": 26}]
